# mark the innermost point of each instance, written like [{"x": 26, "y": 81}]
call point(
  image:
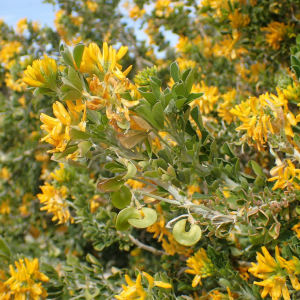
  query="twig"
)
[{"x": 146, "y": 247}]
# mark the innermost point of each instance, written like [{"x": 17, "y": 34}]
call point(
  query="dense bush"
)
[{"x": 131, "y": 169}]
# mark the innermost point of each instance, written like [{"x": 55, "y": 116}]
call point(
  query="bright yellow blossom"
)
[
  {"x": 285, "y": 174},
  {"x": 225, "y": 106},
  {"x": 25, "y": 281},
  {"x": 207, "y": 102},
  {"x": 58, "y": 129},
  {"x": 200, "y": 266},
  {"x": 5, "y": 207},
  {"x": 296, "y": 228},
  {"x": 22, "y": 25},
  {"x": 42, "y": 73},
  {"x": 134, "y": 290},
  {"x": 8, "y": 50},
  {"x": 276, "y": 32},
  {"x": 92, "y": 5},
  {"x": 100, "y": 63},
  {"x": 260, "y": 116},
  {"x": 16, "y": 85},
  {"x": 136, "y": 13},
  {"x": 228, "y": 47},
  {"x": 55, "y": 202},
  {"x": 238, "y": 20},
  {"x": 163, "y": 8},
  {"x": 274, "y": 273}
]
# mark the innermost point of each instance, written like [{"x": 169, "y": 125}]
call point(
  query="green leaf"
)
[
  {"x": 131, "y": 139},
  {"x": 146, "y": 113},
  {"x": 158, "y": 114},
  {"x": 114, "y": 167},
  {"x": 131, "y": 171},
  {"x": 42, "y": 91},
  {"x": 122, "y": 197},
  {"x": 78, "y": 53},
  {"x": 257, "y": 169},
  {"x": 196, "y": 115},
  {"x": 297, "y": 71},
  {"x": 71, "y": 95},
  {"x": 155, "y": 88},
  {"x": 111, "y": 184},
  {"x": 180, "y": 102},
  {"x": 150, "y": 97},
  {"x": 295, "y": 61},
  {"x": 78, "y": 134},
  {"x": 76, "y": 164},
  {"x": 150, "y": 217},
  {"x": 4, "y": 247},
  {"x": 227, "y": 150},
  {"x": 74, "y": 78},
  {"x": 122, "y": 223},
  {"x": 175, "y": 71},
  {"x": 186, "y": 238},
  {"x": 84, "y": 147},
  {"x": 193, "y": 96},
  {"x": 180, "y": 89},
  {"x": 67, "y": 56},
  {"x": 67, "y": 151},
  {"x": 189, "y": 80}
]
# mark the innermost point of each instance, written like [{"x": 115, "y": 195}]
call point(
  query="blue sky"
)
[{"x": 35, "y": 10}]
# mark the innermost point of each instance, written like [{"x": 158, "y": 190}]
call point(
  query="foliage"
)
[{"x": 125, "y": 175}]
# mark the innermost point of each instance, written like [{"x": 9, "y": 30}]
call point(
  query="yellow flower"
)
[
  {"x": 183, "y": 45},
  {"x": 5, "y": 207},
  {"x": 100, "y": 63},
  {"x": 201, "y": 266},
  {"x": 23, "y": 281},
  {"x": 225, "y": 106},
  {"x": 55, "y": 202},
  {"x": 207, "y": 102},
  {"x": 61, "y": 175},
  {"x": 285, "y": 174},
  {"x": 42, "y": 73},
  {"x": 4, "y": 173},
  {"x": 94, "y": 204},
  {"x": 185, "y": 64},
  {"x": 276, "y": 32},
  {"x": 22, "y": 25},
  {"x": 58, "y": 128},
  {"x": 228, "y": 47},
  {"x": 16, "y": 85},
  {"x": 136, "y": 13},
  {"x": 153, "y": 282},
  {"x": 163, "y": 8},
  {"x": 238, "y": 20},
  {"x": 92, "y": 6},
  {"x": 296, "y": 228},
  {"x": 292, "y": 92},
  {"x": 8, "y": 51},
  {"x": 274, "y": 273},
  {"x": 260, "y": 116},
  {"x": 134, "y": 290}
]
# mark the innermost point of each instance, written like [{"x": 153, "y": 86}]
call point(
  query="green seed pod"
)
[{"x": 186, "y": 238}]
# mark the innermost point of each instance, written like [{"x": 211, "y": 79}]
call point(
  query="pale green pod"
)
[{"x": 186, "y": 238}]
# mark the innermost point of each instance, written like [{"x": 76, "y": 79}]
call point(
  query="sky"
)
[{"x": 35, "y": 10}]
